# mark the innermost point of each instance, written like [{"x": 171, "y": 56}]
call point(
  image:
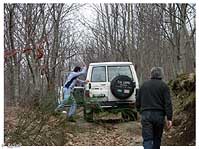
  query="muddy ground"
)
[
  {"x": 109, "y": 130},
  {"x": 106, "y": 130},
  {"x": 41, "y": 127}
]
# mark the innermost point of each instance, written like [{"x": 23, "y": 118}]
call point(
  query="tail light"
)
[{"x": 87, "y": 93}]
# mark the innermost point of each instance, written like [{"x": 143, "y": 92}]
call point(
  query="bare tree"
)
[
  {"x": 147, "y": 34},
  {"x": 36, "y": 47}
]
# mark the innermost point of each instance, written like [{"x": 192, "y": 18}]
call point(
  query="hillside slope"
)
[{"x": 184, "y": 108}]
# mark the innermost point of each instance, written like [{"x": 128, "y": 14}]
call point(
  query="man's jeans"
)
[
  {"x": 152, "y": 128},
  {"x": 68, "y": 99}
]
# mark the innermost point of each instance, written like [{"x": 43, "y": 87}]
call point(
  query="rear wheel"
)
[
  {"x": 129, "y": 115},
  {"x": 88, "y": 114}
]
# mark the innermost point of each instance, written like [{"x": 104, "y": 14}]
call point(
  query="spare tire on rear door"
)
[{"x": 122, "y": 87}]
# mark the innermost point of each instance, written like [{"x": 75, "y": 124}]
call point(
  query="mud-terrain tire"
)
[
  {"x": 122, "y": 87},
  {"x": 129, "y": 115},
  {"x": 88, "y": 114}
]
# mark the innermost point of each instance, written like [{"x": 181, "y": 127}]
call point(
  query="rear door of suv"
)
[
  {"x": 112, "y": 72},
  {"x": 98, "y": 86}
]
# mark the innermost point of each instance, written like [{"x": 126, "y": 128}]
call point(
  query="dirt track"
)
[
  {"x": 108, "y": 130},
  {"x": 105, "y": 132}
]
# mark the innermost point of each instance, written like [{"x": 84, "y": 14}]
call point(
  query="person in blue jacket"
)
[{"x": 68, "y": 88}]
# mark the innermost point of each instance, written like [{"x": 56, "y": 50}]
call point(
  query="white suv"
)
[{"x": 111, "y": 85}]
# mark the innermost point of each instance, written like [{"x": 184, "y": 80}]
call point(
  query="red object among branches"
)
[
  {"x": 12, "y": 53},
  {"x": 39, "y": 53},
  {"x": 9, "y": 53},
  {"x": 27, "y": 50},
  {"x": 39, "y": 50}
]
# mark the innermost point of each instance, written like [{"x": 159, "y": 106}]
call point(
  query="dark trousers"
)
[{"x": 152, "y": 128}]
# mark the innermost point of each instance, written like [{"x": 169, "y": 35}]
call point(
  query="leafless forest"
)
[{"x": 42, "y": 40}]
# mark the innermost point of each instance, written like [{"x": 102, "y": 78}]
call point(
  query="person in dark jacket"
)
[{"x": 154, "y": 103}]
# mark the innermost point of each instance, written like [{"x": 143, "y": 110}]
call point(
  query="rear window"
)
[
  {"x": 114, "y": 71},
  {"x": 98, "y": 74}
]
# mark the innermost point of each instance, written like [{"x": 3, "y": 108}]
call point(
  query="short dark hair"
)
[
  {"x": 157, "y": 73},
  {"x": 77, "y": 69}
]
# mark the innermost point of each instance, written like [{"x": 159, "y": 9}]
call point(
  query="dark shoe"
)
[
  {"x": 71, "y": 119},
  {"x": 58, "y": 109}
]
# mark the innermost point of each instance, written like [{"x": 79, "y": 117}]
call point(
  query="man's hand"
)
[
  {"x": 86, "y": 81},
  {"x": 84, "y": 65},
  {"x": 169, "y": 124}
]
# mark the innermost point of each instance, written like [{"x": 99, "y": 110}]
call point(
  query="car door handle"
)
[{"x": 103, "y": 84}]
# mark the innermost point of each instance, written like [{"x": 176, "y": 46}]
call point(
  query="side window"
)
[{"x": 98, "y": 74}]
